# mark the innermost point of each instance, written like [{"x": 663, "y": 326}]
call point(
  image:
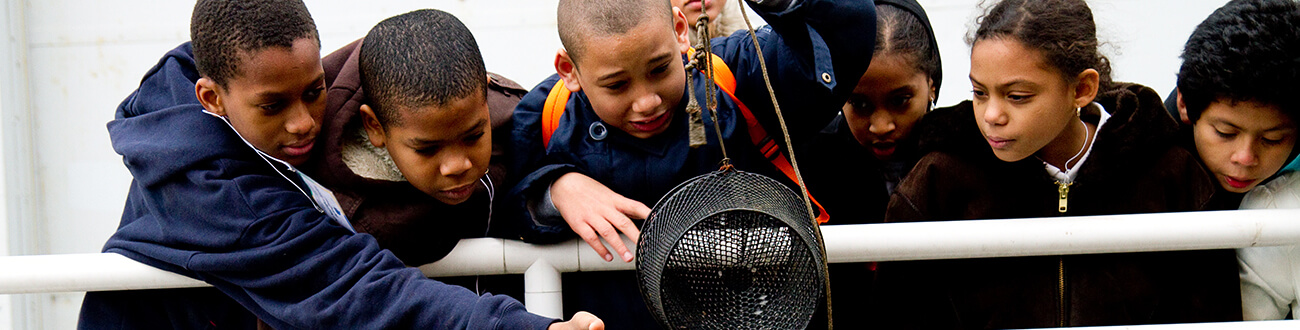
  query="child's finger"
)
[
  {"x": 625, "y": 225},
  {"x": 633, "y": 208},
  {"x": 588, "y": 235},
  {"x": 610, "y": 234}
]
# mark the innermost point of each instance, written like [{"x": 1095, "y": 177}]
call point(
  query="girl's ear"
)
[
  {"x": 1086, "y": 86},
  {"x": 209, "y": 95},
  {"x": 374, "y": 129}
]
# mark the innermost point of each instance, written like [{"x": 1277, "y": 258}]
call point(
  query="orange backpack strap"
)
[
  {"x": 552, "y": 110},
  {"x": 726, "y": 81}
]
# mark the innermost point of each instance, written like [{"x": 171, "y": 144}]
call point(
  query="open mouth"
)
[
  {"x": 883, "y": 148},
  {"x": 651, "y": 124},
  {"x": 1238, "y": 182},
  {"x": 300, "y": 148},
  {"x": 459, "y": 192},
  {"x": 998, "y": 142}
]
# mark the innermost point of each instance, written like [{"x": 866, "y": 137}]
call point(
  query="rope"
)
[{"x": 785, "y": 132}]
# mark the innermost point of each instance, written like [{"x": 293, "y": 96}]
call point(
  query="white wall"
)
[{"x": 75, "y": 60}]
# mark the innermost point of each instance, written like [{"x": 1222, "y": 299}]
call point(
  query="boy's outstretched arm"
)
[
  {"x": 203, "y": 205},
  {"x": 579, "y": 321}
]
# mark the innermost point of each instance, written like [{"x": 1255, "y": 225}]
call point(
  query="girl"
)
[
  {"x": 1048, "y": 134},
  {"x": 873, "y": 134},
  {"x": 872, "y": 137},
  {"x": 723, "y": 19}
]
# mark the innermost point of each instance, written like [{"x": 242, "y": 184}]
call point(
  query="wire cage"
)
[{"x": 730, "y": 250}]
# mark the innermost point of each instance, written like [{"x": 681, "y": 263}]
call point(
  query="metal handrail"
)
[{"x": 844, "y": 243}]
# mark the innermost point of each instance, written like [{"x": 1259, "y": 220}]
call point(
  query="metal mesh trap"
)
[{"x": 730, "y": 250}]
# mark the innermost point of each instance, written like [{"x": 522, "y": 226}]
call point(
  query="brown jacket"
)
[
  {"x": 1134, "y": 167},
  {"x": 416, "y": 227}
]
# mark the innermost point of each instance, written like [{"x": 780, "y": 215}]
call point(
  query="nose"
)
[
  {"x": 456, "y": 164},
  {"x": 1245, "y": 154},
  {"x": 994, "y": 115},
  {"x": 882, "y": 123},
  {"x": 299, "y": 121},
  {"x": 647, "y": 102}
]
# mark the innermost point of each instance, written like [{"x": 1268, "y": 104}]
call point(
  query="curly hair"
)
[
  {"x": 222, "y": 31},
  {"x": 417, "y": 59},
  {"x": 1245, "y": 51},
  {"x": 1063, "y": 30}
]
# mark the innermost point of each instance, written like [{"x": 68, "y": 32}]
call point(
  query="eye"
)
[
  {"x": 900, "y": 102},
  {"x": 313, "y": 94},
  {"x": 615, "y": 86},
  {"x": 428, "y": 151},
  {"x": 1225, "y": 135},
  {"x": 473, "y": 138},
  {"x": 860, "y": 104},
  {"x": 979, "y": 94},
  {"x": 271, "y": 109},
  {"x": 661, "y": 69},
  {"x": 1021, "y": 98}
]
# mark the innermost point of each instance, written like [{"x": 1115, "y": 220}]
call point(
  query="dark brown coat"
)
[
  {"x": 1134, "y": 167},
  {"x": 416, "y": 227}
]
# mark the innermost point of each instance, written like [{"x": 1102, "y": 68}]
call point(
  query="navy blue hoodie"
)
[{"x": 204, "y": 205}]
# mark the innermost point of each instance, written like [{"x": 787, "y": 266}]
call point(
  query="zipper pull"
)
[{"x": 1063, "y": 193}]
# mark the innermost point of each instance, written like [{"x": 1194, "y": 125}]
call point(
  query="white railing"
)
[{"x": 542, "y": 264}]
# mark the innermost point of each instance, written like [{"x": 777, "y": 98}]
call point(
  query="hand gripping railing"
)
[{"x": 542, "y": 264}]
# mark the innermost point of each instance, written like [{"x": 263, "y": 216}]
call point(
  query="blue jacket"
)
[
  {"x": 798, "y": 44},
  {"x": 203, "y": 205}
]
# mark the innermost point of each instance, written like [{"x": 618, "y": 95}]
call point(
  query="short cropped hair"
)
[
  {"x": 579, "y": 20},
  {"x": 1245, "y": 51},
  {"x": 223, "y": 31},
  {"x": 418, "y": 59}
]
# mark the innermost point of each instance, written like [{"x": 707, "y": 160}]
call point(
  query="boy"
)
[
  {"x": 1237, "y": 87},
  {"x": 621, "y": 142},
  {"x": 408, "y": 134},
  {"x": 206, "y": 205}
]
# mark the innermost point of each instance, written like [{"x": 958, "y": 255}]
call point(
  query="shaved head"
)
[{"x": 581, "y": 20}]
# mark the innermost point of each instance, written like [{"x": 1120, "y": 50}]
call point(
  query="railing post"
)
[{"x": 543, "y": 292}]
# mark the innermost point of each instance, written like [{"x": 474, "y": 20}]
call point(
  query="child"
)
[
  {"x": 205, "y": 205},
  {"x": 622, "y": 140},
  {"x": 870, "y": 144},
  {"x": 408, "y": 134},
  {"x": 723, "y": 17},
  {"x": 866, "y": 150},
  {"x": 1244, "y": 114},
  {"x": 1236, "y": 86},
  {"x": 1033, "y": 143}
]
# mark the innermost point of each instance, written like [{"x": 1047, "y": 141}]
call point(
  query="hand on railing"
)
[
  {"x": 594, "y": 212},
  {"x": 579, "y": 321}
]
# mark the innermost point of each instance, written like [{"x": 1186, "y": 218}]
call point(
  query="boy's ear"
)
[
  {"x": 1085, "y": 90},
  {"x": 374, "y": 130},
  {"x": 209, "y": 96},
  {"x": 567, "y": 69},
  {"x": 1182, "y": 108},
  {"x": 681, "y": 28}
]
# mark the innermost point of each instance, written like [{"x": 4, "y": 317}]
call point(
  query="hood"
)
[{"x": 166, "y": 99}]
